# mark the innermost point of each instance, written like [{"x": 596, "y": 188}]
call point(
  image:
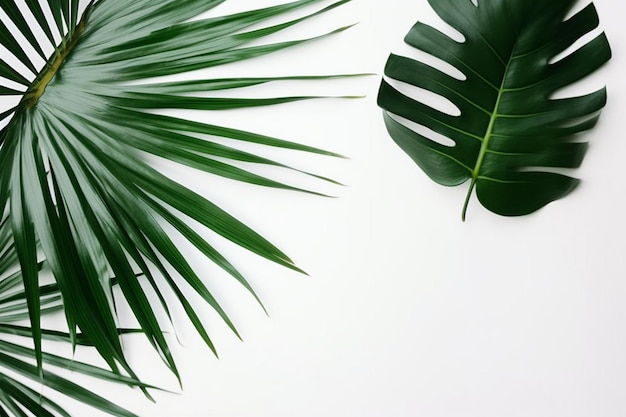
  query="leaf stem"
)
[
  {"x": 485, "y": 143},
  {"x": 38, "y": 86},
  {"x": 468, "y": 197}
]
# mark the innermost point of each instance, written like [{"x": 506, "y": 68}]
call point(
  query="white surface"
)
[{"x": 407, "y": 310}]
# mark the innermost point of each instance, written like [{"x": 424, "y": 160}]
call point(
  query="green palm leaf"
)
[
  {"x": 511, "y": 133},
  {"x": 74, "y": 178},
  {"x": 23, "y": 369}
]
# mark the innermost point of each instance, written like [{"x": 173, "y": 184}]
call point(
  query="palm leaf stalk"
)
[
  {"x": 511, "y": 137},
  {"x": 73, "y": 173}
]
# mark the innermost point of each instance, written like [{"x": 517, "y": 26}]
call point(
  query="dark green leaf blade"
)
[
  {"x": 25, "y": 241},
  {"x": 8, "y": 41},
  {"x": 65, "y": 386},
  {"x": 509, "y": 134},
  {"x": 10, "y": 73},
  {"x": 40, "y": 17},
  {"x": 16, "y": 16}
]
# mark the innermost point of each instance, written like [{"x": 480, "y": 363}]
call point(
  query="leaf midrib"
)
[{"x": 484, "y": 146}]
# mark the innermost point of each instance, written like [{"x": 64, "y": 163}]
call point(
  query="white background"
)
[{"x": 407, "y": 311}]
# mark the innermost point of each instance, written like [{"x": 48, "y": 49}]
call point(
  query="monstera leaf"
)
[
  {"x": 77, "y": 147},
  {"x": 511, "y": 132}
]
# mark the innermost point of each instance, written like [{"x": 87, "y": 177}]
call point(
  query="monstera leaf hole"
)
[{"x": 508, "y": 76}]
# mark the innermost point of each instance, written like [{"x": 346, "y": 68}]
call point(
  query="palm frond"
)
[
  {"x": 74, "y": 176},
  {"x": 24, "y": 369}
]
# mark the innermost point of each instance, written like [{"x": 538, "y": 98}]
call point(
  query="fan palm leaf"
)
[{"x": 74, "y": 178}]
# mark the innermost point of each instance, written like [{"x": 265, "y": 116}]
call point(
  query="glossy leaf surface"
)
[
  {"x": 20, "y": 377},
  {"x": 511, "y": 132},
  {"x": 76, "y": 179}
]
